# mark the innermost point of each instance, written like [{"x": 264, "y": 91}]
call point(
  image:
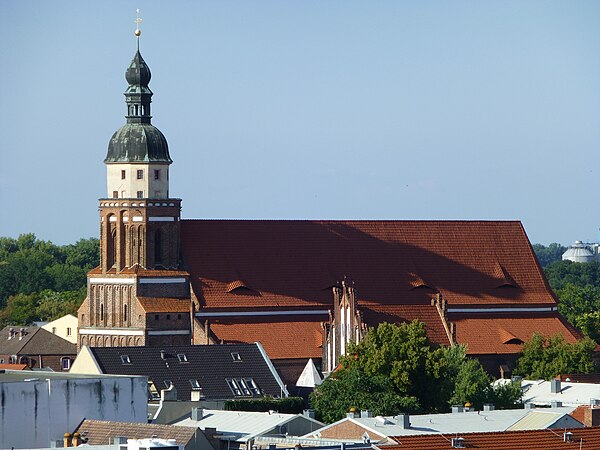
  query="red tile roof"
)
[
  {"x": 140, "y": 271},
  {"x": 295, "y": 263},
  {"x": 374, "y": 315},
  {"x": 154, "y": 305},
  {"x": 547, "y": 439},
  {"x": 506, "y": 333},
  {"x": 14, "y": 367},
  {"x": 281, "y": 338}
]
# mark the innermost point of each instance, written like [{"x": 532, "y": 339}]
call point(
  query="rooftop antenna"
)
[{"x": 137, "y": 31}]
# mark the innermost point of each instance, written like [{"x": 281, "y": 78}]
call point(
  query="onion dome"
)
[{"x": 138, "y": 140}]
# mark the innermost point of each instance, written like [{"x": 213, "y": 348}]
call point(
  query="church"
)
[{"x": 302, "y": 288}]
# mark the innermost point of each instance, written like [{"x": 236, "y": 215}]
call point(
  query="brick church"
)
[{"x": 302, "y": 288}]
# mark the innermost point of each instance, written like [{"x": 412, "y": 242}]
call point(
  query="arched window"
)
[
  {"x": 102, "y": 313},
  {"x": 125, "y": 314}
]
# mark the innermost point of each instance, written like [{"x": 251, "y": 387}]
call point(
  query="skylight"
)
[
  {"x": 125, "y": 359},
  {"x": 195, "y": 384},
  {"x": 243, "y": 387},
  {"x": 236, "y": 356},
  {"x": 182, "y": 358},
  {"x": 168, "y": 383}
]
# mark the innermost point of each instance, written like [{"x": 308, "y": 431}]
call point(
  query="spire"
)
[{"x": 138, "y": 95}]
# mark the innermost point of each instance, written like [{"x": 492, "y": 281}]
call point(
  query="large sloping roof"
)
[
  {"x": 293, "y": 264},
  {"x": 34, "y": 341},
  {"x": 506, "y": 333},
  {"x": 100, "y": 432},
  {"x": 210, "y": 365}
]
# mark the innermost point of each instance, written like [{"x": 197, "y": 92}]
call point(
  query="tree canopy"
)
[
  {"x": 546, "y": 357},
  {"x": 396, "y": 369},
  {"x": 550, "y": 254},
  {"x": 39, "y": 280}
]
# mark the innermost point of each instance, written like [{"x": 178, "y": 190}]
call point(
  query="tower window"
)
[
  {"x": 122, "y": 174},
  {"x": 101, "y": 313},
  {"x": 140, "y": 194},
  {"x": 156, "y": 317},
  {"x": 140, "y": 174},
  {"x": 125, "y": 313},
  {"x": 156, "y": 174},
  {"x": 115, "y": 194}
]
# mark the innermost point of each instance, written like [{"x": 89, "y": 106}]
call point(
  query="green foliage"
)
[
  {"x": 550, "y": 254},
  {"x": 289, "y": 405},
  {"x": 561, "y": 273},
  {"x": 352, "y": 388},
  {"x": 546, "y": 357},
  {"x": 53, "y": 305},
  {"x": 396, "y": 369},
  {"x": 29, "y": 266}
]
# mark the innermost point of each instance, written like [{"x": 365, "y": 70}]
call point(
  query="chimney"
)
[
  {"x": 310, "y": 413},
  {"x": 457, "y": 409},
  {"x": 591, "y": 416},
  {"x": 11, "y": 333},
  {"x": 488, "y": 407},
  {"x": 67, "y": 440},
  {"x": 403, "y": 421},
  {"x": 555, "y": 404},
  {"x": 76, "y": 441},
  {"x": 555, "y": 386},
  {"x": 168, "y": 395},
  {"x": 196, "y": 395},
  {"x": 197, "y": 414},
  {"x": 365, "y": 414}
]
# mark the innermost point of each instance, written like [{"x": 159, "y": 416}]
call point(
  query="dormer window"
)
[
  {"x": 125, "y": 360},
  {"x": 236, "y": 356},
  {"x": 168, "y": 383},
  {"x": 182, "y": 358},
  {"x": 195, "y": 385}
]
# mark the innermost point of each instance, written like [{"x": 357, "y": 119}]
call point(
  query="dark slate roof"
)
[
  {"x": 34, "y": 341},
  {"x": 138, "y": 142},
  {"x": 211, "y": 365}
]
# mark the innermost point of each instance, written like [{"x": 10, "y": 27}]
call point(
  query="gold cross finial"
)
[{"x": 138, "y": 20}]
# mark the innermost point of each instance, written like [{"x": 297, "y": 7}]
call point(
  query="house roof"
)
[
  {"x": 210, "y": 365},
  {"x": 295, "y": 263},
  {"x": 244, "y": 425},
  {"x": 156, "y": 305},
  {"x": 281, "y": 338},
  {"x": 463, "y": 422},
  {"x": 506, "y": 440},
  {"x": 100, "y": 432},
  {"x": 33, "y": 341},
  {"x": 506, "y": 333},
  {"x": 571, "y": 394}
]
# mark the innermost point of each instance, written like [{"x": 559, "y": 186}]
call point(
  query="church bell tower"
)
[
  {"x": 138, "y": 296},
  {"x": 139, "y": 221}
]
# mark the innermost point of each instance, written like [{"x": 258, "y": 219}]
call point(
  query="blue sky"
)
[{"x": 310, "y": 109}]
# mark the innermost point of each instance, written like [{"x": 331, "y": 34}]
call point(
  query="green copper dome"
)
[{"x": 138, "y": 140}]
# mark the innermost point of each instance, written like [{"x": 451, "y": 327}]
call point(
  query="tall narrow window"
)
[
  {"x": 125, "y": 313},
  {"x": 157, "y": 248},
  {"x": 157, "y": 174},
  {"x": 115, "y": 194},
  {"x": 140, "y": 174},
  {"x": 122, "y": 174},
  {"x": 140, "y": 194},
  {"x": 101, "y": 313}
]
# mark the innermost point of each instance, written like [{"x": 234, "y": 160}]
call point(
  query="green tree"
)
[
  {"x": 20, "y": 310},
  {"x": 53, "y": 305},
  {"x": 352, "y": 388},
  {"x": 546, "y": 357},
  {"x": 576, "y": 300},
  {"x": 550, "y": 254}
]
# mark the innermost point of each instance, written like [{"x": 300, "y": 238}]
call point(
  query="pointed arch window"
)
[
  {"x": 101, "y": 312},
  {"x": 125, "y": 313}
]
